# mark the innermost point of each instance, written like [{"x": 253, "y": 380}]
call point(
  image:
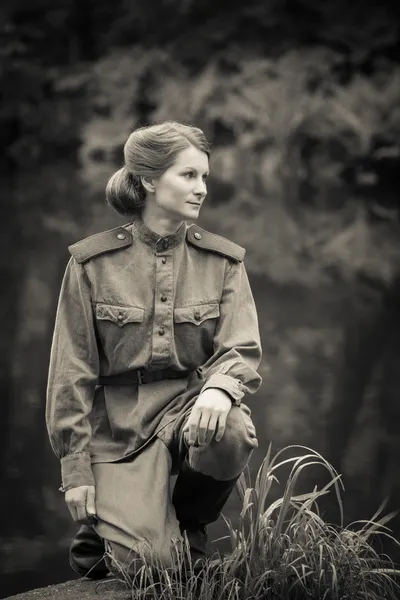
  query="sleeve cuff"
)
[
  {"x": 76, "y": 470},
  {"x": 233, "y": 387}
]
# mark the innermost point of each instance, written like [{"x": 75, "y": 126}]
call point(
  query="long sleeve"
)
[
  {"x": 237, "y": 347},
  {"x": 73, "y": 373}
]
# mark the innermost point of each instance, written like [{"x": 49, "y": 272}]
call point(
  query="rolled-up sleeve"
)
[
  {"x": 73, "y": 374},
  {"x": 237, "y": 347}
]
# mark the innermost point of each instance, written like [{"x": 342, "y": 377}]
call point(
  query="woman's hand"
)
[
  {"x": 81, "y": 504},
  {"x": 208, "y": 416}
]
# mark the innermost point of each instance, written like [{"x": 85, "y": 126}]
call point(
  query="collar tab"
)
[{"x": 155, "y": 240}]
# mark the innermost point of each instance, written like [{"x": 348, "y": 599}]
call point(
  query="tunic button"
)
[
  {"x": 161, "y": 331},
  {"x": 120, "y": 317},
  {"x": 197, "y": 315},
  {"x": 121, "y": 236},
  {"x": 163, "y": 298},
  {"x": 163, "y": 260},
  {"x": 197, "y": 235}
]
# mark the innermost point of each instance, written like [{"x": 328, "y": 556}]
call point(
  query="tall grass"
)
[{"x": 281, "y": 550}]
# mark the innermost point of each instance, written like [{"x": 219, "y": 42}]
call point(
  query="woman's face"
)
[{"x": 181, "y": 189}]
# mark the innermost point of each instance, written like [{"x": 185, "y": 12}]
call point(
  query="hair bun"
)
[{"x": 125, "y": 192}]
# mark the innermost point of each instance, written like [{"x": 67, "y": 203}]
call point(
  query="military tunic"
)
[{"x": 132, "y": 299}]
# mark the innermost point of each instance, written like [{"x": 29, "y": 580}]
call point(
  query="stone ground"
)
[{"x": 80, "y": 589}]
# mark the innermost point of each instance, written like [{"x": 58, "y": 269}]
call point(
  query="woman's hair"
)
[{"x": 149, "y": 152}]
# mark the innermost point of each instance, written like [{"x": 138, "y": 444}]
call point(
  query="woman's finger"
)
[
  {"x": 221, "y": 426},
  {"x": 81, "y": 510},
  {"x": 72, "y": 509},
  {"x": 212, "y": 425},
  {"x": 203, "y": 427},
  {"x": 91, "y": 501},
  {"x": 193, "y": 424}
]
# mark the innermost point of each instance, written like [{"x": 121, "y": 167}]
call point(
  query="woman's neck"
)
[{"x": 162, "y": 225}]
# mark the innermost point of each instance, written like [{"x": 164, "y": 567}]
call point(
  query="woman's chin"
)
[
  {"x": 187, "y": 213},
  {"x": 192, "y": 212}
]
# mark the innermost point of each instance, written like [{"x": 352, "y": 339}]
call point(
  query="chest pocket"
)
[
  {"x": 120, "y": 315},
  {"x": 196, "y": 314}
]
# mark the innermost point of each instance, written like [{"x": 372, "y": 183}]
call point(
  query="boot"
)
[
  {"x": 198, "y": 500},
  {"x": 86, "y": 554}
]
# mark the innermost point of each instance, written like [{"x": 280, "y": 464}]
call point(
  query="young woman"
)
[{"x": 156, "y": 341}]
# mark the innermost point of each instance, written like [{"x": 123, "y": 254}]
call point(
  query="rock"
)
[{"x": 79, "y": 589}]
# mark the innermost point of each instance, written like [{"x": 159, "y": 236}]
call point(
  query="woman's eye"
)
[{"x": 188, "y": 175}]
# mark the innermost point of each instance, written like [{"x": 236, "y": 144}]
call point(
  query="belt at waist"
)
[{"x": 142, "y": 376}]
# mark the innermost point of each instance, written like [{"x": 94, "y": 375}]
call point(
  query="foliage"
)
[
  {"x": 79, "y": 30},
  {"x": 281, "y": 551},
  {"x": 43, "y": 43},
  {"x": 292, "y": 98},
  {"x": 285, "y": 129}
]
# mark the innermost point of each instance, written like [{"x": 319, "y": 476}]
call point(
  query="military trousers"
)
[{"x": 136, "y": 515}]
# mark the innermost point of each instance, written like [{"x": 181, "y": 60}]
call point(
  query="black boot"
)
[
  {"x": 86, "y": 554},
  {"x": 198, "y": 500}
]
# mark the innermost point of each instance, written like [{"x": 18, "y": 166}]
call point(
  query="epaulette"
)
[
  {"x": 215, "y": 243},
  {"x": 99, "y": 243}
]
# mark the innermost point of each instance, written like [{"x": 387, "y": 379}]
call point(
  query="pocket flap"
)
[
  {"x": 119, "y": 314},
  {"x": 196, "y": 314}
]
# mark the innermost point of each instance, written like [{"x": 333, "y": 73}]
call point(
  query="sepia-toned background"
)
[{"x": 301, "y": 102}]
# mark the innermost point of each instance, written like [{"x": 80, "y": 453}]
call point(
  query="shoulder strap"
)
[
  {"x": 99, "y": 243},
  {"x": 214, "y": 243}
]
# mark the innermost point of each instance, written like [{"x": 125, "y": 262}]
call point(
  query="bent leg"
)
[
  {"x": 135, "y": 514},
  {"x": 208, "y": 474}
]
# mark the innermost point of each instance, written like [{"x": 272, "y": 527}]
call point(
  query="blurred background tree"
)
[{"x": 300, "y": 100}]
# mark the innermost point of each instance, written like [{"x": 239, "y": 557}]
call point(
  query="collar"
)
[{"x": 155, "y": 240}]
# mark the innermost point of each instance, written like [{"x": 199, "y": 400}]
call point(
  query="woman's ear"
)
[{"x": 149, "y": 184}]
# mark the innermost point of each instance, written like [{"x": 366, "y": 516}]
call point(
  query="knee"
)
[
  {"x": 227, "y": 458},
  {"x": 237, "y": 444},
  {"x": 240, "y": 433}
]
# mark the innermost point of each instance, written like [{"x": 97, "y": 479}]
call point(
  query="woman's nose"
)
[{"x": 200, "y": 187}]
